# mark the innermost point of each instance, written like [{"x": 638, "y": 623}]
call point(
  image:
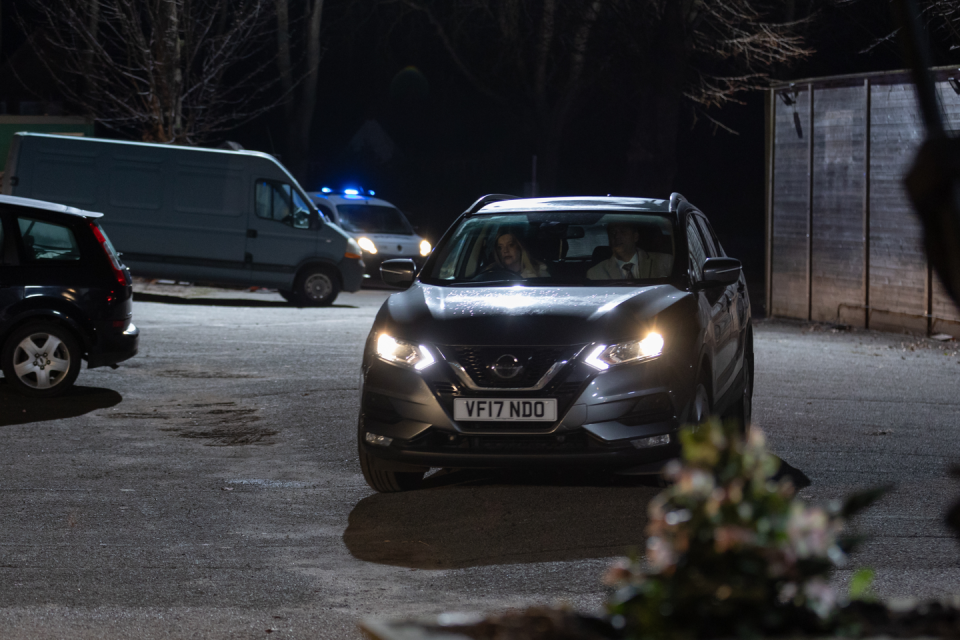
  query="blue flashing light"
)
[
  {"x": 372, "y": 192},
  {"x": 353, "y": 197},
  {"x": 326, "y": 190},
  {"x": 351, "y": 192}
]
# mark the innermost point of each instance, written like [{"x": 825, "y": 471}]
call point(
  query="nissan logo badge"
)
[{"x": 507, "y": 367}]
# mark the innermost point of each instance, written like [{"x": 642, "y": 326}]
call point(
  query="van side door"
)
[{"x": 282, "y": 232}]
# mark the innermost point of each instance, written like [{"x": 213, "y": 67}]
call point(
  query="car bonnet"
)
[{"x": 523, "y": 314}]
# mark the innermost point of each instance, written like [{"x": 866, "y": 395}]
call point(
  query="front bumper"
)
[
  {"x": 113, "y": 347},
  {"x": 351, "y": 274},
  {"x": 600, "y": 417}
]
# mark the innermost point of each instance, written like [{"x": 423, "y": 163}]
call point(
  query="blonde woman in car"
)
[{"x": 511, "y": 255}]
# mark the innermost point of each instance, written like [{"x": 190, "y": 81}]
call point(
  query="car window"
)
[
  {"x": 280, "y": 202},
  {"x": 697, "y": 252},
  {"x": 557, "y": 248},
  {"x": 45, "y": 241},
  {"x": 373, "y": 218},
  {"x": 711, "y": 243}
]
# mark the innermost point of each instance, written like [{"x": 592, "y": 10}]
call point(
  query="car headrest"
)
[{"x": 601, "y": 253}]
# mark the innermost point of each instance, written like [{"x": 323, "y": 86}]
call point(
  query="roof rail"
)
[
  {"x": 675, "y": 200},
  {"x": 487, "y": 199}
]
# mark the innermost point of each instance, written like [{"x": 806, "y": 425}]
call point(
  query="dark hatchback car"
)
[
  {"x": 555, "y": 332},
  {"x": 64, "y": 296}
]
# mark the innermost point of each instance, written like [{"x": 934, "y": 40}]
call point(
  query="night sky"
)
[{"x": 452, "y": 145}]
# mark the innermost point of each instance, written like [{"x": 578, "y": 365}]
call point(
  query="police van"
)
[{"x": 380, "y": 228}]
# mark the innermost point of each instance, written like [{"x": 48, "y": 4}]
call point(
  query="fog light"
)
[
  {"x": 380, "y": 441},
  {"x": 644, "y": 443}
]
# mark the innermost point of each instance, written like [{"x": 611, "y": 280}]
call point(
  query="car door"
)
[
  {"x": 724, "y": 301},
  {"x": 281, "y": 232},
  {"x": 712, "y": 308},
  {"x": 11, "y": 282}
]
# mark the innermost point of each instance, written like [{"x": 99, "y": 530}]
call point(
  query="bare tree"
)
[
  {"x": 539, "y": 58},
  {"x": 695, "y": 56},
  {"x": 176, "y": 71},
  {"x": 532, "y": 58},
  {"x": 301, "y": 100}
]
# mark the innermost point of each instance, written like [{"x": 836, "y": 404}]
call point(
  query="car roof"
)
[
  {"x": 606, "y": 203},
  {"x": 48, "y": 206},
  {"x": 337, "y": 199}
]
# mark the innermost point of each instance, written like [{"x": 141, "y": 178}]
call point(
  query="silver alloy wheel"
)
[
  {"x": 318, "y": 287},
  {"x": 41, "y": 361}
]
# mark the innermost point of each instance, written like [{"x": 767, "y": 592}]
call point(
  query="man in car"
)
[{"x": 629, "y": 262}]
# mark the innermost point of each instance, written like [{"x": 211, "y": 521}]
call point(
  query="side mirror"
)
[
  {"x": 399, "y": 272},
  {"x": 720, "y": 272}
]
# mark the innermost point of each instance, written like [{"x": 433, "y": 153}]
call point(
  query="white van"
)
[{"x": 186, "y": 213}]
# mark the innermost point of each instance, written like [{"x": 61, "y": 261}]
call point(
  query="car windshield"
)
[
  {"x": 371, "y": 218},
  {"x": 572, "y": 248}
]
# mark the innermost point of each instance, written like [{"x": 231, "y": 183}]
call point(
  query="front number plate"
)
[{"x": 505, "y": 409}]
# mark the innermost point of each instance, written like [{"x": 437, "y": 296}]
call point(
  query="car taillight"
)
[{"x": 118, "y": 271}]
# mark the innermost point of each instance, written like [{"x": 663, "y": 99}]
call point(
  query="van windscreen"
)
[{"x": 370, "y": 218}]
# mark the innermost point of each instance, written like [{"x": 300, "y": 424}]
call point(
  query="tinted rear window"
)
[{"x": 45, "y": 241}]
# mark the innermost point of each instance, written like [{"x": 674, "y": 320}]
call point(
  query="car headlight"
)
[
  {"x": 403, "y": 353},
  {"x": 425, "y": 248},
  {"x": 367, "y": 245},
  {"x": 605, "y": 356}
]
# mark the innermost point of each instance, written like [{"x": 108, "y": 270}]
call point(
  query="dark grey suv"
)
[
  {"x": 555, "y": 332},
  {"x": 64, "y": 296}
]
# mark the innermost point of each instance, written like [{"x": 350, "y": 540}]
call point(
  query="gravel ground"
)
[{"x": 210, "y": 487}]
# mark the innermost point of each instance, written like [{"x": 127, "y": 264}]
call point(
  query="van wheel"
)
[
  {"x": 388, "y": 481},
  {"x": 41, "y": 360},
  {"x": 316, "y": 287}
]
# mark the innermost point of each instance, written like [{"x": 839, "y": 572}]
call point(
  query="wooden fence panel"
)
[
  {"x": 790, "y": 208},
  {"x": 946, "y": 315},
  {"x": 898, "y": 265},
  {"x": 838, "y": 192}
]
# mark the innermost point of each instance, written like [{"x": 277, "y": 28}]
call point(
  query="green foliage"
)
[
  {"x": 861, "y": 586},
  {"x": 731, "y": 551}
]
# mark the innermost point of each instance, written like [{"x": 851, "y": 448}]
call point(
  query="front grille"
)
[
  {"x": 477, "y": 360},
  {"x": 378, "y": 407},
  {"x": 444, "y": 387},
  {"x": 526, "y": 425},
  {"x": 653, "y": 408},
  {"x": 511, "y": 444},
  {"x": 493, "y": 444}
]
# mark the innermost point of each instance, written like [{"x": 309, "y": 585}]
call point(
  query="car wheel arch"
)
[
  {"x": 82, "y": 333},
  {"x": 705, "y": 371}
]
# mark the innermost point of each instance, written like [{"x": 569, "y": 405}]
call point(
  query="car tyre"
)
[
  {"x": 743, "y": 412},
  {"x": 385, "y": 481},
  {"x": 316, "y": 287},
  {"x": 41, "y": 360},
  {"x": 700, "y": 409}
]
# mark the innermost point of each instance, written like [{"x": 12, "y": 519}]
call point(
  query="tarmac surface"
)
[{"x": 210, "y": 486}]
